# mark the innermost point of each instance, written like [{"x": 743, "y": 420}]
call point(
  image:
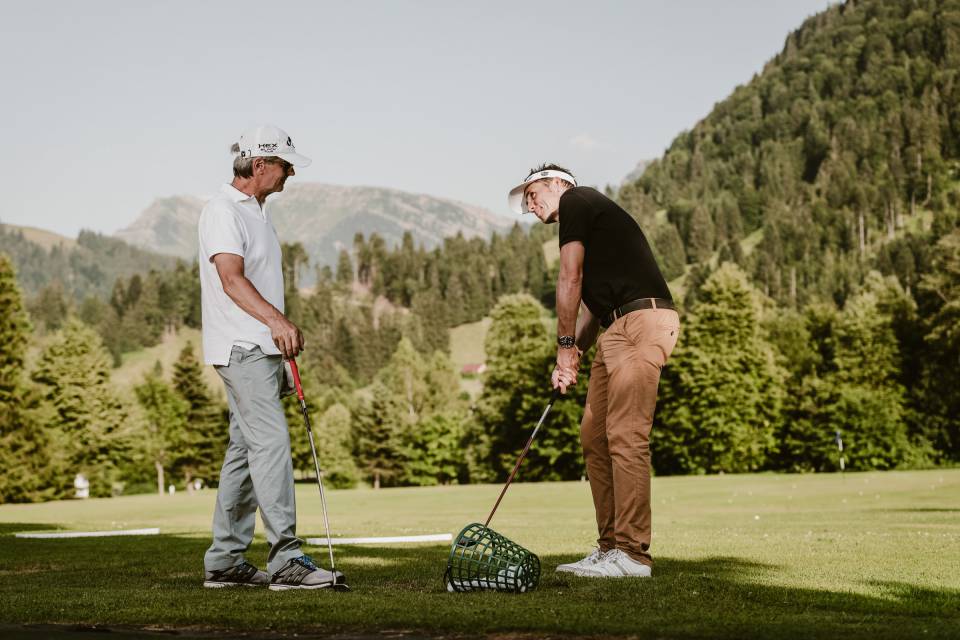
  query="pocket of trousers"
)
[{"x": 667, "y": 334}]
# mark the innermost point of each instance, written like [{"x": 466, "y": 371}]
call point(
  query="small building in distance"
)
[{"x": 472, "y": 370}]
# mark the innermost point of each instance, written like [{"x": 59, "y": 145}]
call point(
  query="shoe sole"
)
[
  {"x": 567, "y": 569},
  {"x": 287, "y": 587},
  {"x": 586, "y": 573},
  {"x": 220, "y": 585}
]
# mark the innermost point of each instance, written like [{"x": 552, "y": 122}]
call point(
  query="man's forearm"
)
[
  {"x": 587, "y": 329},
  {"x": 245, "y": 295},
  {"x": 569, "y": 289}
]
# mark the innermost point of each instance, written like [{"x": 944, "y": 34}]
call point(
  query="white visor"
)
[{"x": 516, "y": 199}]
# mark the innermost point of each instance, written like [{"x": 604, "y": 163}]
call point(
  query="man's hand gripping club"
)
[{"x": 573, "y": 319}]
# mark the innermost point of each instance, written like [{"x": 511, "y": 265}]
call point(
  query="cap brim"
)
[
  {"x": 295, "y": 159},
  {"x": 515, "y": 199}
]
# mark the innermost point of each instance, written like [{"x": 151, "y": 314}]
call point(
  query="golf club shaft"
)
[
  {"x": 316, "y": 461},
  {"x": 516, "y": 467}
]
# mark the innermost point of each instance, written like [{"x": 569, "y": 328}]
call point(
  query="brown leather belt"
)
[{"x": 636, "y": 305}]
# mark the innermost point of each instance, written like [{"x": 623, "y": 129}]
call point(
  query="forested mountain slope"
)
[
  {"x": 832, "y": 150},
  {"x": 87, "y": 266}
]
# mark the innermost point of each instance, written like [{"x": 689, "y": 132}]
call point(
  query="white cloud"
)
[{"x": 586, "y": 142}]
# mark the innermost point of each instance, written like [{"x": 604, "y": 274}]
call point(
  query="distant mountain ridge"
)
[{"x": 324, "y": 218}]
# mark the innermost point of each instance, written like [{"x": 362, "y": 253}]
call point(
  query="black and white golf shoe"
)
[
  {"x": 241, "y": 575},
  {"x": 303, "y": 573}
]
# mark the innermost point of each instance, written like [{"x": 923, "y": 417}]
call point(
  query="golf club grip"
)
[{"x": 296, "y": 377}]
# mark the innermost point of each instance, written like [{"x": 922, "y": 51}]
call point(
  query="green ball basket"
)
[{"x": 483, "y": 560}]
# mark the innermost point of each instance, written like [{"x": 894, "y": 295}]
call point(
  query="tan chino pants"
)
[{"x": 615, "y": 430}]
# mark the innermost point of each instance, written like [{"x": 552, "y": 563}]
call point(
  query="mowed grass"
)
[{"x": 869, "y": 555}]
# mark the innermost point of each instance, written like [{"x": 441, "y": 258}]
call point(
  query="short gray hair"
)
[{"x": 242, "y": 167}]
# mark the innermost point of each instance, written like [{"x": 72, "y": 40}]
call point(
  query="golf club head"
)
[{"x": 340, "y": 584}]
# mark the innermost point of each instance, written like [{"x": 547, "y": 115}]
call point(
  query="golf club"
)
[
  {"x": 337, "y": 585},
  {"x": 482, "y": 559},
  {"x": 523, "y": 454}
]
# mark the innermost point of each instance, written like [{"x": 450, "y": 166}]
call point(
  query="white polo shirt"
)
[{"x": 233, "y": 222}]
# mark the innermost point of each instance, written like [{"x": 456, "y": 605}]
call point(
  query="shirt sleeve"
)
[
  {"x": 221, "y": 232},
  {"x": 576, "y": 218}
]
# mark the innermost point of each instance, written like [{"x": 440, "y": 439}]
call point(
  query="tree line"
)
[
  {"x": 381, "y": 384},
  {"x": 751, "y": 386}
]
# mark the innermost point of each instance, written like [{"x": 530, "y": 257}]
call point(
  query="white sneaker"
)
[
  {"x": 589, "y": 561},
  {"x": 615, "y": 564}
]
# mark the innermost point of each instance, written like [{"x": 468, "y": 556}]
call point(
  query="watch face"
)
[{"x": 566, "y": 341}]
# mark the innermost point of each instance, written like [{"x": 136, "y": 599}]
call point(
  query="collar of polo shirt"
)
[{"x": 235, "y": 194}]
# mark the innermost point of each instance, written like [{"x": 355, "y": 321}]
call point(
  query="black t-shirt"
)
[{"x": 618, "y": 264}]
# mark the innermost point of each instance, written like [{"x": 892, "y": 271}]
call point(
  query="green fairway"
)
[{"x": 871, "y": 555}]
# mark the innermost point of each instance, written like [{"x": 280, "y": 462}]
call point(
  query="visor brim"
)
[
  {"x": 515, "y": 199},
  {"x": 295, "y": 159}
]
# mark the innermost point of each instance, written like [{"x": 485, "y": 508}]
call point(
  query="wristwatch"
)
[{"x": 566, "y": 342}]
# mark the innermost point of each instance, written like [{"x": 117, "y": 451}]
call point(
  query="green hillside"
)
[
  {"x": 842, "y": 140},
  {"x": 87, "y": 266},
  {"x": 135, "y": 364},
  {"x": 46, "y": 239}
]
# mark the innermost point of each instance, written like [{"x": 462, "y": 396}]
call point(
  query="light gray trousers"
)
[{"x": 257, "y": 469}]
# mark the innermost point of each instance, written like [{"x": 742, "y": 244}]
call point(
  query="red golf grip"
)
[{"x": 296, "y": 377}]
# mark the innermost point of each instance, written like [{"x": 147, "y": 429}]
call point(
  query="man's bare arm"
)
[
  {"x": 588, "y": 326},
  {"x": 569, "y": 287},
  {"x": 285, "y": 334}
]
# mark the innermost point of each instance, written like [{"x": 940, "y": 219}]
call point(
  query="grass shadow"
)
[
  {"x": 922, "y": 510},
  {"x": 12, "y": 528}
]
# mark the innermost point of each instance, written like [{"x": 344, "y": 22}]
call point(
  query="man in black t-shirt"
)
[{"x": 609, "y": 278}]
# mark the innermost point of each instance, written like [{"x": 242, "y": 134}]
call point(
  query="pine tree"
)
[
  {"x": 166, "y": 417},
  {"x": 399, "y": 438},
  {"x": 198, "y": 445},
  {"x": 702, "y": 236},
  {"x": 344, "y": 269},
  {"x": 333, "y": 439},
  {"x": 86, "y": 420},
  {"x": 722, "y": 391},
  {"x": 433, "y": 451},
  {"x": 294, "y": 259},
  {"x": 940, "y": 376},
  {"x": 377, "y": 440},
  {"x": 671, "y": 256},
  {"x": 432, "y": 327},
  {"x": 50, "y": 307},
  {"x": 24, "y": 447},
  {"x": 520, "y": 357}
]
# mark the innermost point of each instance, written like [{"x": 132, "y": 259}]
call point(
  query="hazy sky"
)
[{"x": 108, "y": 105}]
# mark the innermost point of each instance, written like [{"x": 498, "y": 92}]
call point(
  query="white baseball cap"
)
[
  {"x": 516, "y": 200},
  {"x": 268, "y": 140}
]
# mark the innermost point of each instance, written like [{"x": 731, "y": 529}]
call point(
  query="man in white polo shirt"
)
[{"x": 246, "y": 337}]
